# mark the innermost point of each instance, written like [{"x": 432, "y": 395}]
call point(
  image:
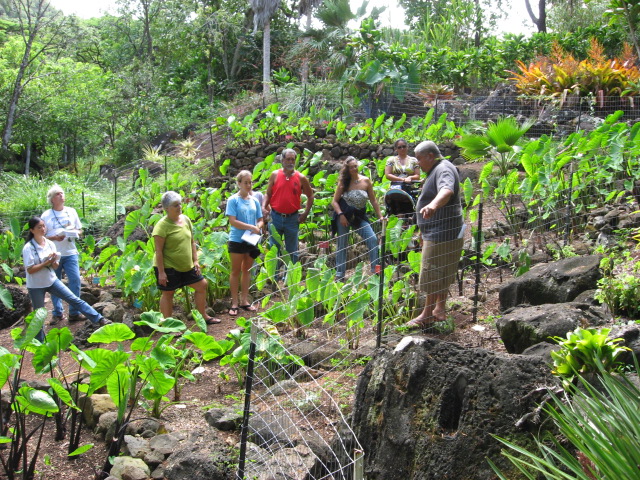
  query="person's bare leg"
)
[
  {"x": 200, "y": 297},
  {"x": 439, "y": 311},
  {"x": 234, "y": 277},
  {"x": 166, "y": 303},
  {"x": 245, "y": 280},
  {"x": 426, "y": 316}
]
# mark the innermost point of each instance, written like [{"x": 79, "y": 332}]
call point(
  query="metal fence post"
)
[
  {"x": 358, "y": 465},
  {"x": 381, "y": 284},
  {"x": 84, "y": 213},
  {"x": 115, "y": 198},
  {"x": 248, "y": 384},
  {"x": 165, "y": 172},
  {"x": 567, "y": 227},
  {"x": 476, "y": 287},
  {"x": 213, "y": 148}
]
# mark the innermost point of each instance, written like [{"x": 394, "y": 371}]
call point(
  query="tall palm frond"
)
[{"x": 263, "y": 12}]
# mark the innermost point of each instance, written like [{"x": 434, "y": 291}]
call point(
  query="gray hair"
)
[
  {"x": 287, "y": 151},
  {"x": 427, "y": 147},
  {"x": 170, "y": 197},
  {"x": 53, "y": 191}
]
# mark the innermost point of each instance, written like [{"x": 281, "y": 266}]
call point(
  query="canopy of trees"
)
[{"x": 73, "y": 88}]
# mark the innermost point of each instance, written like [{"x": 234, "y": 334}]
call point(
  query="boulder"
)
[
  {"x": 95, "y": 406},
  {"x": 136, "y": 447},
  {"x": 630, "y": 333},
  {"x": 524, "y": 327},
  {"x": 202, "y": 460},
  {"x": 272, "y": 430},
  {"x": 127, "y": 468},
  {"x": 165, "y": 444},
  {"x": 225, "y": 419},
  {"x": 429, "y": 408},
  {"x": 555, "y": 282},
  {"x": 111, "y": 310}
]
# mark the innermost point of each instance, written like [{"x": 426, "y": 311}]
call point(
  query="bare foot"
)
[{"x": 421, "y": 322}]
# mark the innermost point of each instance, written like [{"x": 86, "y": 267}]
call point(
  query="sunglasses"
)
[{"x": 401, "y": 146}]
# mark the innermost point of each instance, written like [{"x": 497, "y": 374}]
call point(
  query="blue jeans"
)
[
  {"x": 287, "y": 227},
  {"x": 366, "y": 233},
  {"x": 62, "y": 292},
  {"x": 71, "y": 269}
]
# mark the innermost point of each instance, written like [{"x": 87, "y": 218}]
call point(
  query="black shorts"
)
[
  {"x": 176, "y": 279},
  {"x": 244, "y": 247}
]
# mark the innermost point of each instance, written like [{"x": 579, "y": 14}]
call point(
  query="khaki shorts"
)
[{"x": 439, "y": 265}]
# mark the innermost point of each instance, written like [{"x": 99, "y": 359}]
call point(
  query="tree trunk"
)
[
  {"x": 27, "y": 160},
  {"x": 266, "y": 58},
  {"x": 541, "y": 20},
  {"x": 304, "y": 70},
  {"x": 30, "y": 25}
]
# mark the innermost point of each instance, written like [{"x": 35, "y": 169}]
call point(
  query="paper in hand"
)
[{"x": 250, "y": 237}]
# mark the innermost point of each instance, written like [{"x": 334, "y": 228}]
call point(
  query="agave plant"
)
[{"x": 498, "y": 144}]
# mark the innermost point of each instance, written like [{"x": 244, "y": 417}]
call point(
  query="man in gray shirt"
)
[{"x": 440, "y": 221}]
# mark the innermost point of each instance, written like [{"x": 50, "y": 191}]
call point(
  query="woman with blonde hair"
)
[{"x": 245, "y": 215}]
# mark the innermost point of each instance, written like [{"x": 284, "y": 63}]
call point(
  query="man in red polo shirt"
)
[{"x": 283, "y": 202}]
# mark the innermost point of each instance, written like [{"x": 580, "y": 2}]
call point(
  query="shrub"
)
[
  {"x": 585, "y": 350},
  {"x": 602, "y": 427}
]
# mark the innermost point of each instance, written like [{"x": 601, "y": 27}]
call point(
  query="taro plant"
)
[
  {"x": 131, "y": 266},
  {"x": 270, "y": 350},
  {"x": 11, "y": 243},
  {"x": 296, "y": 308},
  {"x": 145, "y": 374},
  {"x": 586, "y": 351},
  {"x": 178, "y": 356},
  {"x": 22, "y": 428}
]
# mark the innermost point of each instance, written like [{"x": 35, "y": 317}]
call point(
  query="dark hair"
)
[
  {"x": 395, "y": 144},
  {"x": 33, "y": 222},
  {"x": 345, "y": 176}
]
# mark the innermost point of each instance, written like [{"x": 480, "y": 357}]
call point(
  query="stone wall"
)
[{"x": 333, "y": 153}]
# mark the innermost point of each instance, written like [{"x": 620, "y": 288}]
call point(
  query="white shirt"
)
[
  {"x": 32, "y": 254},
  {"x": 59, "y": 221}
]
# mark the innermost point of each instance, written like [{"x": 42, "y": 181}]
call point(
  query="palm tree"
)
[
  {"x": 306, "y": 8},
  {"x": 263, "y": 11}
]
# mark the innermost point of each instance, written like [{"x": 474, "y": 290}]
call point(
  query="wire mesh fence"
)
[{"x": 314, "y": 332}]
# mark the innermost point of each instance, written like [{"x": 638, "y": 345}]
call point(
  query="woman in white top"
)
[
  {"x": 63, "y": 227},
  {"x": 40, "y": 260}
]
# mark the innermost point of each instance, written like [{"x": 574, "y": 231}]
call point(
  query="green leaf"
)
[
  {"x": 62, "y": 392},
  {"x": 107, "y": 362},
  {"x": 114, "y": 332},
  {"x": 156, "y": 321},
  {"x": 6, "y": 298},
  {"x": 118, "y": 385},
  {"x": 35, "y": 322},
  {"x": 80, "y": 450},
  {"x": 151, "y": 371},
  {"x": 36, "y": 401}
]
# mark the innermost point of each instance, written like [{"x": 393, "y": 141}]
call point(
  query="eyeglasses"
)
[
  {"x": 401, "y": 146},
  {"x": 176, "y": 205}
]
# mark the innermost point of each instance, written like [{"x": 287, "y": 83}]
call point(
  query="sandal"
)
[
  {"x": 248, "y": 308},
  {"x": 212, "y": 321},
  {"x": 233, "y": 311}
]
